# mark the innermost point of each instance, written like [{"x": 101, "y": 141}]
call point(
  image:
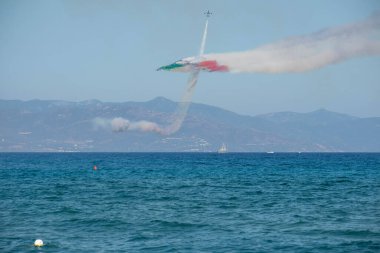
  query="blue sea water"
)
[{"x": 184, "y": 202}]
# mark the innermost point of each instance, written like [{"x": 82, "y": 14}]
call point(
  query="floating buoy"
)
[
  {"x": 38, "y": 243},
  {"x": 95, "y": 168}
]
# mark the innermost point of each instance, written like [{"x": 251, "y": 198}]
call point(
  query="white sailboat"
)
[{"x": 222, "y": 149}]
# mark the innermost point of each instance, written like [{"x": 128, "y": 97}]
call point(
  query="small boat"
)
[{"x": 222, "y": 149}]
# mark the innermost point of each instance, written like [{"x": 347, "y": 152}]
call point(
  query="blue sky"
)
[{"x": 109, "y": 50}]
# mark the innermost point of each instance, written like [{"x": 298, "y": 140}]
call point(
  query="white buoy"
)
[{"x": 38, "y": 243}]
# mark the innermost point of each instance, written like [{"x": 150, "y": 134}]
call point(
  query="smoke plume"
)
[
  {"x": 120, "y": 124},
  {"x": 303, "y": 53},
  {"x": 296, "y": 54}
]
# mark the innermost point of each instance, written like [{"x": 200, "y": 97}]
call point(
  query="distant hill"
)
[{"x": 39, "y": 125}]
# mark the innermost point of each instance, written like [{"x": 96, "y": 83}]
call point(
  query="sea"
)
[{"x": 190, "y": 202}]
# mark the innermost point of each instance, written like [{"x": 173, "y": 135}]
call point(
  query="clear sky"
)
[{"x": 110, "y": 50}]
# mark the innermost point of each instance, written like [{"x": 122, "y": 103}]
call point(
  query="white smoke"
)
[
  {"x": 303, "y": 53},
  {"x": 183, "y": 106},
  {"x": 120, "y": 124}
]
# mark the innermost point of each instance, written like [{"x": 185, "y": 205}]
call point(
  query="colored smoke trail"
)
[
  {"x": 295, "y": 54},
  {"x": 303, "y": 53}
]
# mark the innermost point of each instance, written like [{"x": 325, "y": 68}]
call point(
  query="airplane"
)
[
  {"x": 192, "y": 64},
  {"x": 208, "y": 13}
]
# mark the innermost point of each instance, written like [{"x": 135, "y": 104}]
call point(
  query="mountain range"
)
[{"x": 55, "y": 126}]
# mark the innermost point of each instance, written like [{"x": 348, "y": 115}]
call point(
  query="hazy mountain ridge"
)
[{"x": 50, "y": 125}]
